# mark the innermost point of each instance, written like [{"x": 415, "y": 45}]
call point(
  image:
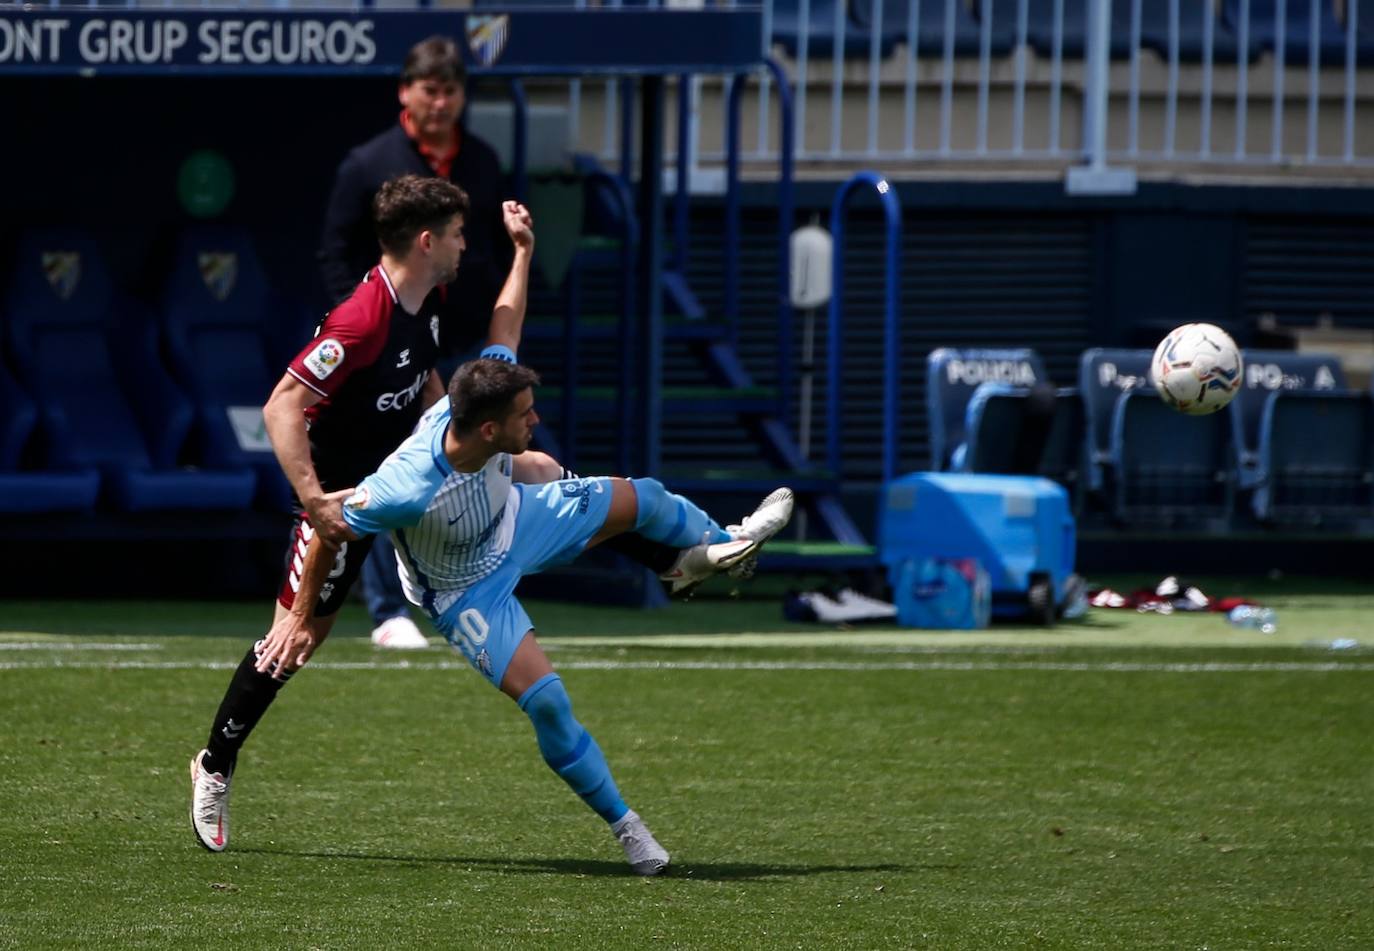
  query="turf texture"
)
[{"x": 1122, "y": 782}]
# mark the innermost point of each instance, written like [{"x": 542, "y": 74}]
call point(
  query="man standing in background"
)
[{"x": 426, "y": 140}]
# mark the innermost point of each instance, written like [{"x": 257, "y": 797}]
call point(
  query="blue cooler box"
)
[{"x": 1019, "y": 528}]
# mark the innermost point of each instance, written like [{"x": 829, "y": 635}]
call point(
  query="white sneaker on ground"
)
[
  {"x": 763, "y": 523},
  {"x": 645, "y": 855},
  {"x": 694, "y": 565},
  {"x": 399, "y": 633},
  {"x": 209, "y": 806}
]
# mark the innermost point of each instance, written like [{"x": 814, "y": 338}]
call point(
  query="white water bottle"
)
[{"x": 1254, "y": 617}]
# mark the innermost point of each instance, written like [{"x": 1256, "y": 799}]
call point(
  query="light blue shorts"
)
[{"x": 552, "y": 527}]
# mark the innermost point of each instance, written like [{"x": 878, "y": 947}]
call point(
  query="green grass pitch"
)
[{"x": 1122, "y": 782}]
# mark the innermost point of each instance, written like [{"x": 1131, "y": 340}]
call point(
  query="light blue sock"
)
[
  {"x": 672, "y": 519},
  {"x": 569, "y": 749}
]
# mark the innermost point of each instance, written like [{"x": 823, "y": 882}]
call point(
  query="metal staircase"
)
[{"x": 687, "y": 411}]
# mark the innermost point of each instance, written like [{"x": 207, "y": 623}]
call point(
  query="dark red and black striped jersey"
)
[{"x": 369, "y": 360}]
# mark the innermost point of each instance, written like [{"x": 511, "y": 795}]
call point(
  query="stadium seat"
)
[
  {"x": 1267, "y": 371},
  {"x": 1154, "y": 28},
  {"x": 1192, "y": 35},
  {"x": 1169, "y": 468},
  {"x": 930, "y": 27},
  {"x": 1297, "y": 22},
  {"x": 1103, "y": 375},
  {"x": 1316, "y": 459},
  {"x": 104, "y": 399},
  {"x": 1364, "y": 30},
  {"x": 953, "y": 376},
  {"x": 997, "y": 420},
  {"x": 1065, "y": 447},
  {"x": 35, "y": 491},
  {"x": 821, "y": 36},
  {"x": 218, "y": 317},
  {"x": 1040, "y": 25}
]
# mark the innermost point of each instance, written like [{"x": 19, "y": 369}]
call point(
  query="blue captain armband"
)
[{"x": 497, "y": 351}]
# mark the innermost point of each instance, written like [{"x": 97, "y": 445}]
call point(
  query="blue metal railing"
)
[
  {"x": 1199, "y": 60},
  {"x": 618, "y": 191},
  {"x": 730, "y": 307},
  {"x": 892, "y": 211}
]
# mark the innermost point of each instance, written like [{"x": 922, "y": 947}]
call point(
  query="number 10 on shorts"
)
[{"x": 472, "y": 631}]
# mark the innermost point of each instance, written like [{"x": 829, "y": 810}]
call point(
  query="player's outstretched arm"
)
[
  {"x": 284, "y": 418},
  {"x": 293, "y": 639},
  {"x": 508, "y": 317},
  {"x": 434, "y": 390},
  {"x": 532, "y": 467}
]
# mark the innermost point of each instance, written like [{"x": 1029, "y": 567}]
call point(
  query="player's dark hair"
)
[
  {"x": 434, "y": 58},
  {"x": 406, "y": 206},
  {"x": 482, "y": 390}
]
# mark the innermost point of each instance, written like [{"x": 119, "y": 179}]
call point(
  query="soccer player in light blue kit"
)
[{"x": 471, "y": 512}]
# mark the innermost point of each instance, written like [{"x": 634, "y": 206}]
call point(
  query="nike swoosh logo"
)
[{"x": 455, "y": 518}]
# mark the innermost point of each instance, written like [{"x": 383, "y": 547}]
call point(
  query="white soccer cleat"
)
[
  {"x": 209, "y": 806},
  {"x": 774, "y": 512},
  {"x": 694, "y": 565},
  {"x": 399, "y": 633},
  {"x": 645, "y": 855}
]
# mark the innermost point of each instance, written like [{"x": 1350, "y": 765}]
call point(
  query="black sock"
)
[
  {"x": 655, "y": 556},
  {"x": 247, "y": 699}
]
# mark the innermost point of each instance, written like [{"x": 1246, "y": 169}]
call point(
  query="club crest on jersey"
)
[
  {"x": 220, "y": 272},
  {"x": 577, "y": 489},
  {"x": 359, "y": 499},
  {"x": 434, "y": 329},
  {"x": 325, "y": 358},
  {"x": 487, "y": 37},
  {"x": 63, "y": 271}
]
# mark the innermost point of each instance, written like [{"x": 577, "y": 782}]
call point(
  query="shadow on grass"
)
[{"x": 704, "y": 871}]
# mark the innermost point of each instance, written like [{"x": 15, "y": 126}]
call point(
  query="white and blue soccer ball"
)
[{"x": 1197, "y": 369}]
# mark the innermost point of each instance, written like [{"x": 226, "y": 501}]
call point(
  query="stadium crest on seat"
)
[
  {"x": 220, "y": 271},
  {"x": 63, "y": 271},
  {"x": 487, "y": 37}
]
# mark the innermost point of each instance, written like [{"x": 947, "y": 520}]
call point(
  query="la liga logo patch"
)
[
  {"x": 359, "y": 499},
  {"x": 325, "y": 358}
]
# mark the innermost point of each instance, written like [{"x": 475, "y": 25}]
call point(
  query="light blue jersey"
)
[
  {"x": 464, "y": 539},
  {"x": 451, "y": 529}
]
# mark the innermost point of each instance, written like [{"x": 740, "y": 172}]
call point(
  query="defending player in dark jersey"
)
[
  {"x": 363, "y": 380},
  {"x": 345, "y": 402}
]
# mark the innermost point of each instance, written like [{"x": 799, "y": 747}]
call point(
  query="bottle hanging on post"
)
[{"x": 810, "y": 289}]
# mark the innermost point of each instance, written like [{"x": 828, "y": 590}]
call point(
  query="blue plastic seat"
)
[
  {"x": 1065, "y": 446},
  {"x": 1264, "y": 24},
  {"x": 1192, "y": 30},
  {"x": 218, "y": 317},
  {"x": 821, "y": 35},
  {"x": 1169, "y": 468},
  {"x": 1364, "y": 30},
  {"x": 995, "y": 410},
  {"x": 932, "y": 15},
  {"x": 952, "y": 378},
  {"x": 1103, "y": 375},
  {"x": 1040, "y": 25},
  {"x": 1154, "y": 28},
  {"x": 104, "y": 399},
  {"x": 1316, "y": 455},
  {"x": 1268, "y": 371},
  {"x": 998, "y": 416},
  {"x": 28, "y": 490}
]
